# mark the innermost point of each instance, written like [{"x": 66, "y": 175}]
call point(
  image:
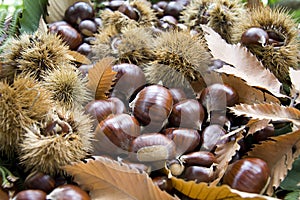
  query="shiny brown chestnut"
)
[
  {"x": 68, "y": 34},
  {"x": 87, "y": 27},
  {"x": 152, "y": 107},
  {"x": 199, "y": 174},
  {"x": 70, "y": 192},
  {"x": 248, "y": 175},
  {"x": 178, "y": 94},
  {"x": 211, "y": 136},
  {"x": 101, "y": 109},
  {"x": 115, "y": 4},
  {"x": 198, "y": 158},
  {"x": 129, "y": 77},
  {"x": 188, "y": 113},
  {"x": 217, "y": 96},
  {"x": 173, "y": 8},
  {"x": 264, "y": 134},
  {"x": 84, "y": 49},
  {"x": 79, "y": 11},
  {"x": 255, "y": 36},
  {"x": 30, "y": 195},
  {"x": 129, "y": 11},
  {"x": 120, "y": 129},
  {"x": 186, "y": 140},
  {"x": 163, "y": 182},
  {"x": 151, "y": 147},
  {"x": 39, "y": 181}
]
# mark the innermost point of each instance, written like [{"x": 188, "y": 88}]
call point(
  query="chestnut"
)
[
  {"x": 70, "y": 192},
  {"x": 178, "y": 94},
  {"x": 115, "y": 4},
  {"x": 255, "y": 36},
  {"x": 120, "y": 129},
  {"x": 152, "y": 147},
  {"x": 129, "y": 11},
  {"x": 264, "y": 134},
  {"x": 79, "y": 11},
  {"x": 198, "y": 158},
  {"x": 84, "y": 49},
  {"x": 68, "y": 34},
  {"x": 87, "y": 27},
  {"x": 248, "y": 175},
  {"x": 101, "y": 109},
  {"x": 152, "y": 107},
  {"x": 217, "y": 96},
  {"x": 30, "y": 195},
  {"x": 163, "y": 182},
  {"x": 129, "y": 77},
  {"x": 39, "y": 181},
  {"x": 173, "y": 8},
  {"x": 175, "y": 166},
  {"x": 199, "y": 174},
  {"x": 186, "y": 140},
  {"x": 211, "y": 136},
  {"x": 188, "y": 113}
]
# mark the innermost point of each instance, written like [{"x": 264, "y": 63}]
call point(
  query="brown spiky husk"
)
[
  {"x": 179, "y": 59},
  {"x": 146, "y": 13},
  {"x": 67, "y": 87},
  {"x": 48, "y": 151},
  {"x": 117, "y": 19},
  {"x": 33, "y": 54},
  {"x": 224, "y": 15},
  {"x": 221, "y": 15},
  {"x": 23, "y": 103},
  {"x": 135, "y": 46},
  {"x": 276, "y": 59}
]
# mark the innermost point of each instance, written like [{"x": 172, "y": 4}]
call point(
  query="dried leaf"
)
[
  {"x": 257, "y": 125},
  {"x": 273, "y": 112},
  {"x": 56, "y": 9},
  {"x": 101, "y": 78},
  {"x": 279, "y": 152},
  {"x": 244, "y": 64},
  {"x": 295, "y": 74},
  {"x": 205, "y": 192},
  {"x": 78, "y": 57},
  {"x": 247, "y": 93},
  {"x": 224, "y": 154},
  {"x": 108, "y": 179}
]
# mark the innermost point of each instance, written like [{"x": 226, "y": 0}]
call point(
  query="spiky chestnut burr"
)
[
  {"x": 220, "y": 15},
  {"x": 67, "y": 87},
  {"x": 180, "y": 58},
  {"x": 64, "y": 137},
  {"x": 282, "y": 48},
  {"x": 33, "y": 54},
  {"x": 146, "y": 14},
  {"x": 23, "y": 103}
]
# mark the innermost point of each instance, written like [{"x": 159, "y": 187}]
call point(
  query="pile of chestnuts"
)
[{"x": 150, "y": 126}]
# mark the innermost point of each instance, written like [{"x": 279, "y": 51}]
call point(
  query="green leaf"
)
[
  {"x": 293, "y": 195},
  {"x": 32, "y": 12},
  {"x": 292, "y": 180}
]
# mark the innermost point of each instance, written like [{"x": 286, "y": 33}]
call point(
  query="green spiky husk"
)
[
  {"x": 21, "y": 104},
  {"x": 179, "y": 59},
  {"x": 49, "y": 153},
  {"x": 276, "y": 59},
  {"x": 33, "y": 55},
  {"x": 68, "y": 88}
]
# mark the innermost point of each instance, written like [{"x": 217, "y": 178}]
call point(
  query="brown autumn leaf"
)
[
  {"x": 224, "y": 154},
  {"x": 274, "y": 112},
  {"x": 295, "y": 79},
  {"x": 203, "y": 191},
  {"x": 101, "y": 78},
  {"x": 257, "y": 125},
  {"x": 56, "y": 9},
  {"x": 248, "y": 94},
  {"x": 78, "y": 57},
  {"x": 107, "y": 179},
  {"x": 244, "y": 64},
  {"x": 279, "y": 152}
]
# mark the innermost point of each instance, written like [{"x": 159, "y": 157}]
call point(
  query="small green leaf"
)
[
  {"x": 293, "y": 195},
  {"x": 32, "y": 12},
  {"x": 292, "y": 180}
]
